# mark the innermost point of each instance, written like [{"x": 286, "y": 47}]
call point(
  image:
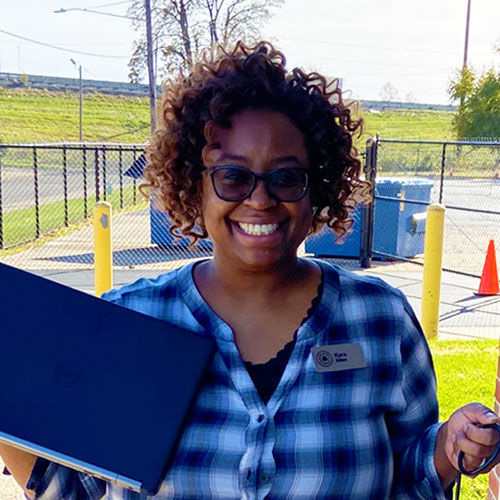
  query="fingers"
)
[
  {"x": 482, "y": 436},
  {"x": 466, "y": 433},
  {"x": 478, "y": 413},
  {"x": 478, "y": 445}
]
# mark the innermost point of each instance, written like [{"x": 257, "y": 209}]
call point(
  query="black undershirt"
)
[{"x": 266, "y": 376}]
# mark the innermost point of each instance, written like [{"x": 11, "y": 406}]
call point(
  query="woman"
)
[{"x": 257, "y": 159}]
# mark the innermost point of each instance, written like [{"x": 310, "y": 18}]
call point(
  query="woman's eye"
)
[
  {"x": 235, "y": 176},
  {"x": 286, "y": 177}
]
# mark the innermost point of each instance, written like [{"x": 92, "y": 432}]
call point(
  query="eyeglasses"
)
[{"x": 232, "y": 183}]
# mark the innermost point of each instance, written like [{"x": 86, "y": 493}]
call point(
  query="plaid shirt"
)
[{"x": 359, "y": 434}]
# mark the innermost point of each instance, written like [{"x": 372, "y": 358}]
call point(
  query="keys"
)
[
  {"x": 487, "y": 461},
  {"x": 484, "y": 464}
]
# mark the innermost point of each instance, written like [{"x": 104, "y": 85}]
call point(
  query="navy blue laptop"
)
[{"x": 93, "y": 385}]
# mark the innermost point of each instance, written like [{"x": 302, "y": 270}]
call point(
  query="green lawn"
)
[
  {"x": 28, "y": 115},
  {"x": 409, "y": 124},
  {"x": 19, "y": 226},
  {"x": 466, "y": 372}
]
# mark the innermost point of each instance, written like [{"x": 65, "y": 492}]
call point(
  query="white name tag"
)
[{"x": 338, "y": 357}]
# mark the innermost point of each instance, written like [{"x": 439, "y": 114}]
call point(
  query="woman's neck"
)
[{"x": 254, "y": 282}]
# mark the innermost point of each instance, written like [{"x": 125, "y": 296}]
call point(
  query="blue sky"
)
[{"x": 415, "y": 45}]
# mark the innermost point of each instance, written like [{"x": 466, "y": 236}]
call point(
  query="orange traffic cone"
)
[
  {"x": 451, "y": 172},
  {"x": 489, "y": 278}
]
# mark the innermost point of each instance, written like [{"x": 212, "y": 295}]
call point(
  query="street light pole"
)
[
  {"x": 79, "y": 67},
  {"x": 466, "y": 48},
  {"x": 149, "y": 40},
  {"x": 151, "y": 73}
]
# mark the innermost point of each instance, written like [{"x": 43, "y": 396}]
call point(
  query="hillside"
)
[{"x": 28, "y": 115}]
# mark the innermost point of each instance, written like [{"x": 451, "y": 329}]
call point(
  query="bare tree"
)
[
  {"x": 389, "y": 92},
  {"x": 411, "y": 97},
  {"x": 181, "y": 28}
]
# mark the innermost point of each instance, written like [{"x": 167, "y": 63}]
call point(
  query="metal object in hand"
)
[{"x": 487, "y": 461}]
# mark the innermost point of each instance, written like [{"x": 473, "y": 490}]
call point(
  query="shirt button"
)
[
  {"x": 260, "y": 418},
  {"x": 264, "y": 478}
]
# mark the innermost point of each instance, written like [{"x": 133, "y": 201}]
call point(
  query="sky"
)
[{"x": 417, "y": 46}]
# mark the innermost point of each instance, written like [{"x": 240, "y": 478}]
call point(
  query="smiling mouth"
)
[{"x": 258, "y": 229}]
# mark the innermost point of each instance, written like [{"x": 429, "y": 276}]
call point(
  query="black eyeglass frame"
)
[{"x": 256, "y": 177}]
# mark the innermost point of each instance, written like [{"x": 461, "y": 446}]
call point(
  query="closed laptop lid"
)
[{"x": 92, "y": 384}]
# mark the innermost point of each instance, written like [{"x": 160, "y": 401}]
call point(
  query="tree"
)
[
  {"x": 182, "y": 28},
  {"x": 478, "y": 113},
  {"x": 389, "y": 92},
  {"x": 411, "y": 97}
]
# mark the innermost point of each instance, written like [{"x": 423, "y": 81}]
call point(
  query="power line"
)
[
  {"x": 316, "y": 56},
  {"x": 89, "y": 44},
  {"x": 110, "y": 4},
  {"x": 62, "y": 48},
  {"x": 392, "y": 49}
]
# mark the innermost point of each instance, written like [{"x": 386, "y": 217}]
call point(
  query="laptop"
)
[{"x": 93, "y": 385}]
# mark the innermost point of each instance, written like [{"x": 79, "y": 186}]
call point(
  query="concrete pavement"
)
[{"x": 69, "y": 260}]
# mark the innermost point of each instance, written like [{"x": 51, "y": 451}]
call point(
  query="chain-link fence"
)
[
  {"x": 47, "y": 195},
  {"x": 464, "y": 176}
]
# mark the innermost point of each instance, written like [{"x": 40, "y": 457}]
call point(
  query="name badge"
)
[{"x": 338, "y": 357}]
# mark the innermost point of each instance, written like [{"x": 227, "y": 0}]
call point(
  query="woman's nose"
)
[{"x": 259, "y": 198}]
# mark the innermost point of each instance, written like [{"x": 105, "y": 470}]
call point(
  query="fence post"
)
[
  {"x": 443, "y": 165},
  {"x": 84, "y": 166},
  {"x": 433, "y": 257},
  {"x": 367, "y": 210},
  {"x": 104, "y": 177},
  {"x": 37, "y": 201},
  {"x": 120, "y": 173},
  {"x": 96, "y": 157},
  {"x": 65, "y": 186},
  {"x": 103, "y": 255},
  {"x": 134, "y": 192}
]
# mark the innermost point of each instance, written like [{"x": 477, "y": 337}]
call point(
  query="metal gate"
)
[{"x": 462, "y": 175}]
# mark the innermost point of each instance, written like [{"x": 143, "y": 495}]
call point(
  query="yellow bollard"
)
[
  {"x": 433, "y": 260},
  {"x": 103, "y": 255}
]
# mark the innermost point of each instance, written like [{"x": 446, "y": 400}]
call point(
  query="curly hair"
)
[{"x": 224, "y": 83}]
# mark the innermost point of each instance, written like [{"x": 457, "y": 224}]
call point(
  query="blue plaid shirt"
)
[{"x": 366, "y": 433}]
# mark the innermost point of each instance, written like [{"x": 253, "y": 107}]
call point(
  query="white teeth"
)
[{"x": 258, "y": 229}]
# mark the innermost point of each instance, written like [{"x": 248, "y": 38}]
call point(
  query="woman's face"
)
[{"x": 258, "y": 232}]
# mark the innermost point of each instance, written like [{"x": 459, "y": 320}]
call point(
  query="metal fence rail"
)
[
  {"x": 45, "y": 187},
  {"x": 464, "y": 176},
  {"x": 47, "y": 195}
]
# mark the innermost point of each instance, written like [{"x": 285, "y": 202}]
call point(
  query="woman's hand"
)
[{"x": 460, "y": 433}]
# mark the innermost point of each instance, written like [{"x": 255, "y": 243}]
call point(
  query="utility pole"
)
[
  {"x": 466, "y": 48},
  {"x": 79, "y": 67},
  {"x": 151, "y": 73}
]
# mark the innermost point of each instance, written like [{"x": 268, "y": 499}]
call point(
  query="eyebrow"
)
[{"x": 278, "y": 160}]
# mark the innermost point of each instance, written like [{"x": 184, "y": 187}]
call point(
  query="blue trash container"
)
[
  {"x": 160, "y": 234},
  {"x": 399, "y": 226},
  {"x": 323, "y": 244}
]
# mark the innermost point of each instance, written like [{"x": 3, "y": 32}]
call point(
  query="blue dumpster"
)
[
  {"x": 159, "y": 221},
  {"x": 399, "y": 226},
  {"x": 160, "y": 234}
]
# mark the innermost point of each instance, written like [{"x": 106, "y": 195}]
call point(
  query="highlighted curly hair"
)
[{"x": 225, "y": 83}]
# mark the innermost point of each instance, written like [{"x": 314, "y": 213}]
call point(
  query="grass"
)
[
  {"x": 33, "y": 116},
  {"x": 28, "y": 115},
  {"x": 19, "y": 226},
  {"x": 466, "y": 372},
  {"x": 409, "y": 124}
]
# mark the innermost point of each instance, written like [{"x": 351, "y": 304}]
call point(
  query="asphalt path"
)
[{"x": 18, "y": 185}]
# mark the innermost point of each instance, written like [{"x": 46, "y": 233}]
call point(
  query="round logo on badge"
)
[{"x": 324, "y": 358}]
